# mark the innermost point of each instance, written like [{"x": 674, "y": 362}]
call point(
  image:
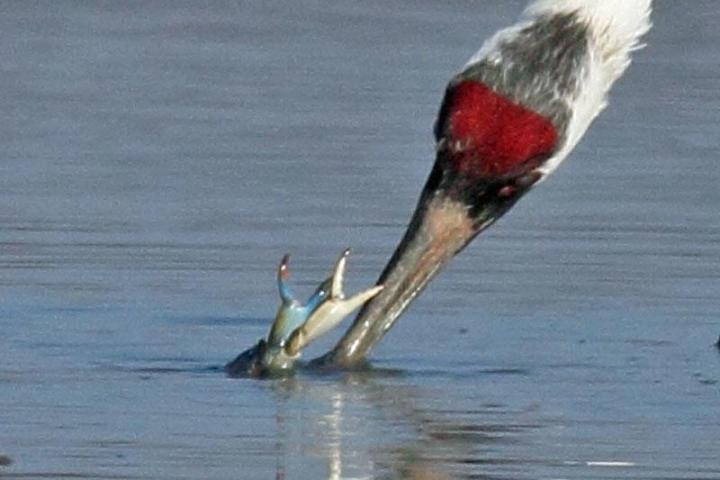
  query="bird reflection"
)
[{"x": 369, "y": 425}]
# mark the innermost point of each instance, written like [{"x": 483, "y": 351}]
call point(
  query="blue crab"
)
[{"x": 298, "y": 324}]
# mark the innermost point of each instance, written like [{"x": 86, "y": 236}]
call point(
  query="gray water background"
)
[{"x": 157, "y": 159}]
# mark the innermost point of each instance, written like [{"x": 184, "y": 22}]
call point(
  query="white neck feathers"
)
[{"x": 616, "y": 26}]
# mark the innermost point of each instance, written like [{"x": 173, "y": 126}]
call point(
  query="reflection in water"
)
[
  {"x": 334, "y": 420},
  {"x": 368, "y": 426}
]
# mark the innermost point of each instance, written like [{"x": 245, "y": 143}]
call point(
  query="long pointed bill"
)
[{"x": 445, "y": 221}]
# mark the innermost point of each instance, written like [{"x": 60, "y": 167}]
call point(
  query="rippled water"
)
[{"x": 158, "y": 159}]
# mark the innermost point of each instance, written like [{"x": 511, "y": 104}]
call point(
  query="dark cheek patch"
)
[{"x": 490, "y": 136}]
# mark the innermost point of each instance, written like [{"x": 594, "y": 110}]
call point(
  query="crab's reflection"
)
[{"x": 370, "y": 425}]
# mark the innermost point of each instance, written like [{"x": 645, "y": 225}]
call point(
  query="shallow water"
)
[{"x": 158, "y": 160}]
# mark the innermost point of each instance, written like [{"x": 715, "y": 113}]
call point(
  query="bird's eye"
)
[{"x": 507, "y": 191}]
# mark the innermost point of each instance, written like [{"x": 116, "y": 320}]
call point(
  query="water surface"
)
[{"x": 158, "y": 159}]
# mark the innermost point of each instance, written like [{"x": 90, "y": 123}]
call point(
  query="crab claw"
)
[
  {"x": 297, "y": 324},
  {"x": 330, "y": 312},
  {"x": 292, "y": 313}
]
